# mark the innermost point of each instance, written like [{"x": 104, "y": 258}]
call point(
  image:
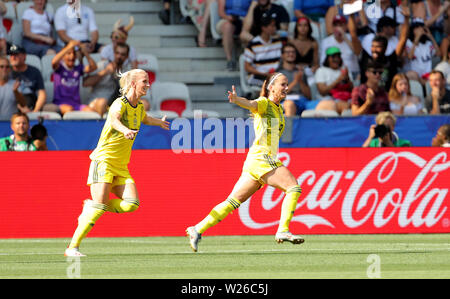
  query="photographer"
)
[
  {"x": 20, "y": 140},
  {"x": 382, "y": 133}
]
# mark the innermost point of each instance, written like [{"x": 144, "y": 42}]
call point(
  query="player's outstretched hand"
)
[
  {"x": 232, "y": 95},
  {"x": 130, "y": 134},
  {"x": 164, "y": 124}
]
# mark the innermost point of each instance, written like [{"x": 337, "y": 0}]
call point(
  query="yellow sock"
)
[
  {"x": 91, "y": 212},
  {"x": 288, "y": 207},
  {"x": 125, "y": 205},
  {"x": 217, "y": 214}
]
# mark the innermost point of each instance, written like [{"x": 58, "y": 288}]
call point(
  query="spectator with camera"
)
[
  {"x": 438, "y": 102},
  {"x": 442, "y": 137},
  {"x": 382, "y": 134},
  {"x": 370, "y": 97},
  {"x": 20, "y": 140}
]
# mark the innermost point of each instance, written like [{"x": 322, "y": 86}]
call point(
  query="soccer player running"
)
[
  {"x": 262, "y": 165},
  {"x": 108, "y": 171}
]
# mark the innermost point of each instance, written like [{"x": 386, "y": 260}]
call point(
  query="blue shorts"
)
[{"x": 302, "y": 103}]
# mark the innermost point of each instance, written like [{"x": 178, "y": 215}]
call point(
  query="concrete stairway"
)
[{"x": 179, "y": 59}]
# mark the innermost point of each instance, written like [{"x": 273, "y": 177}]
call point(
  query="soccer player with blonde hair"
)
[
  {"x": 262, "y": 165},
  {"x": 108, "y": 171}
]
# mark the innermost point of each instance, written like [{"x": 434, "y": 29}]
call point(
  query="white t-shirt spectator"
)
[
  {"x": 348, "y": 57},
  {"x": 65, "y": 20},
  {"x": 39, "y": 23},
  {"x": 108, "y": 54},
  {"x": 422, "y": 60},
  {"x": 326, "y": 75},
  {"x": 374, "y": 13},
  {"x": 366, "y": 44}
]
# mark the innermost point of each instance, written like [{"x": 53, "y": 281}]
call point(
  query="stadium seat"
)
[
  {"x": 200, "y": 113},
  {"x": 44, "y": 115},
  {"x": 48, "y": 91},
  {"x": 172, "y": 96},
  {"x": 34, "y": 60},
  {"x": 81, "y": 115},
  {"x": 416, "y": 89},
  {"x": 149, "y": 63},
  {"x": 246, "y": 88},
  {"x": 288, "y": 5},
  {"x": 319, "y": 113},
  {"x": 160, "y": 114},
  {"x": 347, "y": 113},
  {"x": 47, "y": 69}
]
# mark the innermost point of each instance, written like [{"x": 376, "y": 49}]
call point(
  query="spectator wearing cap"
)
[
  {"x": 346, "y": 42},
  {"x": 259, "y": 9},
  {"x": 370, "y": 97},
  {"x": 262, "y": 55},
  {"x": 438, "y": 101},
  {"x": 420, "y": 49},
  {"x": 374, "y": 10},
  {"x": 390, "y": 63},
  {"x": 30, "y": 78},
  {"x": 333, "y": 82},
  {"x": 306, "y": 45}
]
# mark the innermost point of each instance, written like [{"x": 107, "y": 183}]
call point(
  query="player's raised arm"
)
[
  {"x": 162, "y": 123},
  {"x": 240, "y": 101}
]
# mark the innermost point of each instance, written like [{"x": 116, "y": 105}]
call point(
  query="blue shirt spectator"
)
[{"x": 312, "y": 9}]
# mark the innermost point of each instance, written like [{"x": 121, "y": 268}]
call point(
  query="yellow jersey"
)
[
  {"x": 112, "y": 146},
  {"x": 268, "y": 123}
]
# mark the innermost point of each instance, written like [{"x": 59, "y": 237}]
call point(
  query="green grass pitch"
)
[{"x": 226, "y": 257}]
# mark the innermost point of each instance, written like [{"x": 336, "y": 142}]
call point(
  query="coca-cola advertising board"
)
[{"x": 345, "y": 191}]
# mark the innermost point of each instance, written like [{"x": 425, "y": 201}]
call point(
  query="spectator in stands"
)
[
  {"x": 390, "y": 63},
  {"x": 299, "y": 93},
  {"x": 307, "y": 47},
  {"x": 30, "y": 78},
  {"x": 442, "y": 137},
  {"x": 401, "y": 101},
  {"x": 230, "y": 25},
  {"x": 333, "y": 82},
  {"x": 120, "y": 35},
  {"x": 382, "y": 134},
  {"x": 387, "y": 28},
  {"x": 203, "y": 18},
  {"x": 37, "y": 26},
  {"x": 370, "y": 97},
  {"x": 164, "y": 14},
  {"x": 438, "y": 102},
  {"x": 434, "y": 13},
  {"x": 20, "y": 140},
  {"x": 105, "y": 82},
  {"x": 3, "y": 45},
  {"x": 374, "y": 10},
  {"x": 420, "y": 49},
  {"x": 346, "y": 42},
  {"x": 258, "y": 9},
  {"x": 444, "y": 65},
  {"x": 77, "y": 23},
  {"x": 337, "y": 10},
  {"x": 10, "y": 96},
  {"x": 67, "y": 76},
  {"x": 263, "y": 53},
  {"x": 313, "y": 10}
]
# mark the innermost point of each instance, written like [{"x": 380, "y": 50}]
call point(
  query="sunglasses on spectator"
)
[{"x": 376, "y": 72}]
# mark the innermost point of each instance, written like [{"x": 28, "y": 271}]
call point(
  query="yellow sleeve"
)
[
  {"x": 117, "y": 106},
  {"x": 262, "y": 105}
]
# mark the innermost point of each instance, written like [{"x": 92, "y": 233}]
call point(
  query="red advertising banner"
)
[{"x": 345, "y": 191}]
